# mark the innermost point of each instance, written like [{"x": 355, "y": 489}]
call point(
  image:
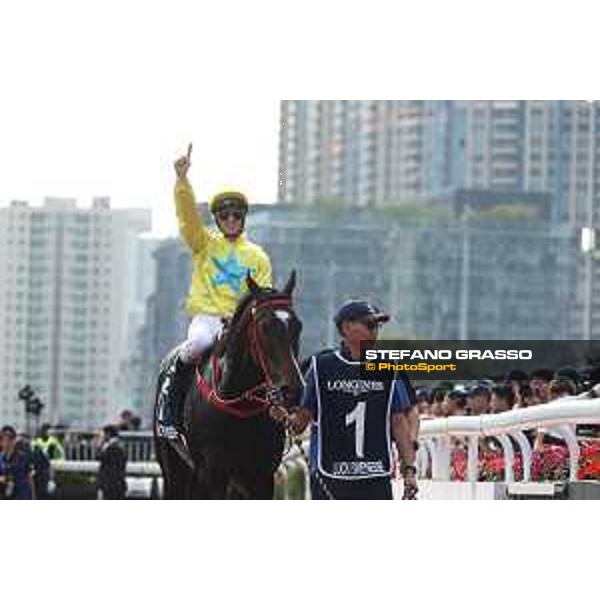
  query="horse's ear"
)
[
  {"x": 291, "y": 284},
  {"x": 252, "y": 285}
]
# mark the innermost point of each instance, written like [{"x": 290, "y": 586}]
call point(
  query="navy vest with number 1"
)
[{"x": 354, "y": 420}]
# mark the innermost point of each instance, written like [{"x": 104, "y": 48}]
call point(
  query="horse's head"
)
[{"x": 263, "y": 344}]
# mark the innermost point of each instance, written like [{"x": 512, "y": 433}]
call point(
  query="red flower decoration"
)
[{"x": 550, "y": 465}]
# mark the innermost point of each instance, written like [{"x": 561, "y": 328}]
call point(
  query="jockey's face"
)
[{"x": 231, "y": 222}]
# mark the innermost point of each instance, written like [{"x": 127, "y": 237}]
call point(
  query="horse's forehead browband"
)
[
  {"x": 272, "y": 302},
  {"x": 278, "y": 302}
]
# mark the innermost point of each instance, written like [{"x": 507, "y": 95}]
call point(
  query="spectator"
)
[
  {"x": 135, "y": 423},
  {"x": 42, "y": 475},
  {"x": 125, "y": 422},
  {"x": 589, "y": 378},
  {"x": 570, "y": 374},
  {"x": 437, "y": 405},
  {"x": 113, "y": 461},
  {"x": 424, "y": 402},
  {"x": 41, "y": 467},
  {"x": 538, "y": 382},
  {"x": 516, "y": 377},
  {"x": 17, "y": 467},
  {"x": 524, "y": 397},
  {"x": 3, "y": 473},
  {"x": 560, "y": 388},
  {"x": 478, "y": 400},
  {"x": 503, "y": 399},
  {"x": 589, "y": 388},
  {"x": 48, "y": 443},
  {"x": 455, "y": 403}
]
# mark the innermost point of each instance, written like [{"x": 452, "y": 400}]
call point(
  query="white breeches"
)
[{"x": 202, "y": 332}]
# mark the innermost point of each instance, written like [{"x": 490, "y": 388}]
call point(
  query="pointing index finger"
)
[{"x": 189, "y": 151}]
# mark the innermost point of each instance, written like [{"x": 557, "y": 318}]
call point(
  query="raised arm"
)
[{"x": 191, "y": 227}]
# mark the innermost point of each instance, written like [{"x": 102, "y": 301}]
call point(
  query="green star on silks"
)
[{"x": 230, "y": 272}]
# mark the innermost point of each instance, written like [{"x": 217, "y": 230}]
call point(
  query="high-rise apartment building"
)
[
  {"x": 535, "y": 146},
  {"x": 385, "y": 152},
  {"x": 363, "y": 152},
  {"x": 65, "y": 287}
]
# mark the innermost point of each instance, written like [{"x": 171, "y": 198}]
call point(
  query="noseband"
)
[{"x": 263, "y": 396}]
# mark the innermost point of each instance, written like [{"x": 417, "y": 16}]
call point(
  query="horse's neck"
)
[{"x": 239, "y": 373}]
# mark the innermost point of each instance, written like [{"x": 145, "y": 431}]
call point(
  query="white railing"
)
[
  {"x": 83, "y": 445},
  {"x": 91, "y": 467},
  {"x": 558, "y": 418},
  {"x": 144, "y": 479}
]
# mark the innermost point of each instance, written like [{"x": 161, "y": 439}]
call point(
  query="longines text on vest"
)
[{"x": 355, "y": 385}]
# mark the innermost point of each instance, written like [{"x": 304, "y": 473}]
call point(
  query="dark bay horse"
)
[{"x": 235, "y": 445}]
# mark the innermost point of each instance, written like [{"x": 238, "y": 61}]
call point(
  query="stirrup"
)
[
  {"x": 167, "y": 432},
  {"x": 177, "y": 441}
]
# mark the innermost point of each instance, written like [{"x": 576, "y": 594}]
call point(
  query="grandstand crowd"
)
[{"x": 519, "y": 390}]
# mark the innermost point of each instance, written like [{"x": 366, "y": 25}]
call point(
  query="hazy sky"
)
[
  {"x": 100, "y": 100},
  {"x": 98, "y": 97}
]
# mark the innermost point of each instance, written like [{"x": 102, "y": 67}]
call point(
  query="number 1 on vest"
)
[{"x": 357, "y": 416}]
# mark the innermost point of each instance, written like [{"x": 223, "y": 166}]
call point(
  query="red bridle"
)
[{"x": 263, "y": 396}]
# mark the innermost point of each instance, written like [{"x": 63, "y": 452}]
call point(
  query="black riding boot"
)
[{"x": 170, "y": 404}]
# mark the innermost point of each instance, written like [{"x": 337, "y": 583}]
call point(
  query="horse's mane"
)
[{"x": 246, "y": 299}]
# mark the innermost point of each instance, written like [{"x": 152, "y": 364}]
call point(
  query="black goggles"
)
[{"x": 224, "y": 213}]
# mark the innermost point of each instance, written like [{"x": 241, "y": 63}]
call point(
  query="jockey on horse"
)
[{"x": 221, "y": 261}]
